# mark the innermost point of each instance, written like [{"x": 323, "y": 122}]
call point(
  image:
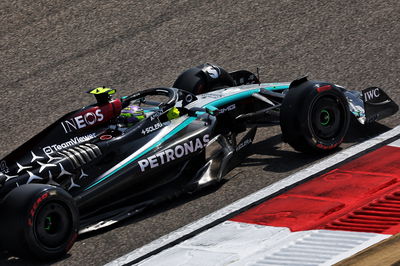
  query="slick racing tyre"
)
[
  {"x": 203, "y": 79},
  {"x": 38, "y": 221},
  {"x": 314, "y": 117}
]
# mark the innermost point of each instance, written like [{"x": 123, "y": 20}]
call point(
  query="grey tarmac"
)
[{"x": 52, "y": 51}]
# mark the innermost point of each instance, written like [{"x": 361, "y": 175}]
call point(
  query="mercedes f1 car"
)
[{"x": 88, "y": 169}]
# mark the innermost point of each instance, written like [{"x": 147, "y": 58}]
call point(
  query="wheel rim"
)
[
  {"x": 325, "y": 117},
  {"x": 52, "y": 224},
  {"x": 328, "y": 118}
]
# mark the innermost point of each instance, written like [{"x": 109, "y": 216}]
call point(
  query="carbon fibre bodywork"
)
[{"x": 113, "y": 171}]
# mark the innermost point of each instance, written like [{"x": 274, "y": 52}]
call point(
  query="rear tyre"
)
[
  {"x": 38, "y": 221},
  {"x": 314, "y": 117},
  {"x": 203, "y": 79}
]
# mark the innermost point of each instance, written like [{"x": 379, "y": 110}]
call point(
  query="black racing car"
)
[{"x": 90, "y": 169}]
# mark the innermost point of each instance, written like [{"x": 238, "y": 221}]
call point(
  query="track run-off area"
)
[
  {"x": 52, "y": 52},
  {"x": 319, "y": 216}
]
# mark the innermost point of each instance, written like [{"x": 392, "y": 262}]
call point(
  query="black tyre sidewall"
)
[
  {"x": 192, "y": 80},
  {"x": 196, "y": 81},
  {"x": 23, "y": 206},
  {"x": 296, "y": 118}
]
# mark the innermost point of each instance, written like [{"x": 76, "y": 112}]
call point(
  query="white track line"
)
[
  {"x": 241, "y": 244},
  {"x": 255, "y": 197}
]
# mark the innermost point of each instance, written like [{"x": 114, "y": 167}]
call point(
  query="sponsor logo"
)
[
  {"x": 71, "y": 142},
  {"x": 227, "y": 109},
  {"x": 212, "y": 95},
  {"x": 155, "y": 115},
  {"x": 3, "y": 167},
  {"x": 82, "y": 121},
  {"x": 174, "y": 153},
  {"x": 243, "y": 144},
  {"x": 106, "y": 137},
  {"x": 371, "y": 94},
  {"x": 152, "y": 128}
]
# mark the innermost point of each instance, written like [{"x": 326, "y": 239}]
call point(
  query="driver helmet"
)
[{"x": 131, "y": 115}]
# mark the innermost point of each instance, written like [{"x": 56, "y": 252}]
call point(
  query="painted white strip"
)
[
  {"x": 221, "y": 245},
  {"x": 315, "y": 247},
  {"x": 395, "y": 143},
  {"x": 237, "y": 244},
  {"x": 265, "y": 192}
]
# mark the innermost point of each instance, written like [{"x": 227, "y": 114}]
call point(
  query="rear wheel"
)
[
  {"x": 314, "y": 118},
  {"x": 203, "y": 79},
  {"x": 39, "y": 221}
]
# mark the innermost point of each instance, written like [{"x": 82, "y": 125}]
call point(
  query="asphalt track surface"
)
[{"x": 52, "y": 51}]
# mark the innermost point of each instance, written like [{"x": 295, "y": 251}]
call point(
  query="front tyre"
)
[
  {"x": 314, "y": 117},
  {"x": 38, "y": 221}
]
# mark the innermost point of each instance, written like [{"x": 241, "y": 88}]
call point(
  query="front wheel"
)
[
  {"x": 38, "y": 221},
  {"x": 314, "y": 117}
]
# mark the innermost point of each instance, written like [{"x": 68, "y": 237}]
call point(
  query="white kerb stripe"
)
[
  {"x": 237, "y": 244},
  {"x": 395, "y": 143}
]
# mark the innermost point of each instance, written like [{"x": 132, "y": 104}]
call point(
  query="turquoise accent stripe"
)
[
  {"x": 278, "y": 87},
  {"x": 150, "y": 109},
  {"x": 166, "y": 137},
  {"x": 241, "y": 95},
  {"x": 214, "y": 104},
  {"x": 232, "y": 98},
  {"x": 212, "y": 108}
]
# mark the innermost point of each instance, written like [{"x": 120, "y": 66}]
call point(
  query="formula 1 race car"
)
[{"x": 93, "y": 167}]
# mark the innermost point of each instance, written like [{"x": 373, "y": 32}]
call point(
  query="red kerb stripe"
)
[{"x": 362, "y": 195}]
